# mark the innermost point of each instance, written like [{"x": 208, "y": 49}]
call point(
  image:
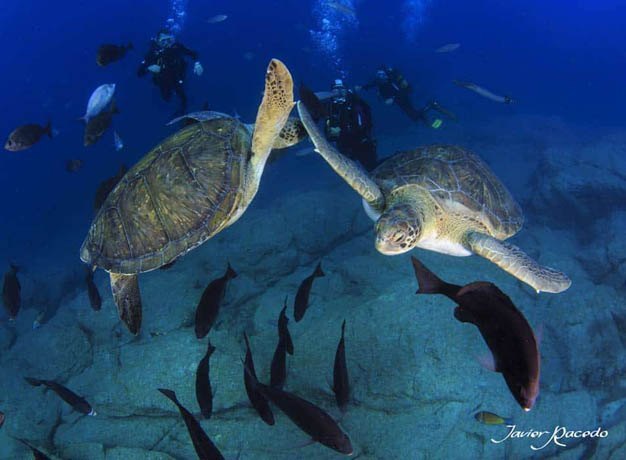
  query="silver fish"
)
[
  {"x": 484, "y": 92},
  {"x": 448, "y": 48},
  {"x": 99, "y": 100},
  {"x": 119, "y": 143},
  {"x": 217, "y": 18}
]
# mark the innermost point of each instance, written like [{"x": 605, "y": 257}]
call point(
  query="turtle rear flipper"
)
[
  {"x": 127, "y": 298},
  {"x": 273, "y": 111},
  {"x": 351, "y": 172},
  {"x": 513, "y": 260}
]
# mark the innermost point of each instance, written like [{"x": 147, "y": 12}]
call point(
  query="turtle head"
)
[{"x": 397, "y": 230}]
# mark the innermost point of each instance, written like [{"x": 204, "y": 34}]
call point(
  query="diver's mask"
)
[
  {"x": 165, "y": 40},
  {"x": 381, "y": 75},
  {"x": 339, "y": 91}
]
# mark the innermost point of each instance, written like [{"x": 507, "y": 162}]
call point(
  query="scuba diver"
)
[
  {"x": 394, "y": 88},
  {"x": 347, "y": 121},
  {"x": 166, "y": 61}
]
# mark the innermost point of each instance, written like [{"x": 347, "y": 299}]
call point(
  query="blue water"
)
[{"x": 564, "y": 63}]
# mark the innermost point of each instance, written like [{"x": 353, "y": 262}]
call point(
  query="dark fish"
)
[
  {"x": 204, "y": 393},
  {"x": 1, "y": 419},
  {"x": 97, "y": 126},
  {"x": 73, "y": 166},
  {"x": 26, "y": 136},
  {"x": 278, "y": 369},
  {"x": 78, "y": 403},
  {"x": 308, "y": 417},
  {"x": 109, "y": 53},
  {"x": 489, "y": 418},
  {"x": 11, "y": 290},
  {"x": 37, "y": 454},
  {"x": 106, "y": 186},
  {"x": 209, "y": 305},
  {"x": 94, "y": 296},
  {"x": 503, "y": 327},
  {"x": 341, "y": 384},
  {"x": 203, "y": 445},
  {"x": 302, "y": 297},
  {"x": 258, "y": 401},
  {"x": 283, "y": 331}
]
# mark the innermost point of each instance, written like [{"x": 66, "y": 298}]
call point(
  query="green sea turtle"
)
[
  {"x": 191, "y": 186},
  {"x": 441, "y": 198}
]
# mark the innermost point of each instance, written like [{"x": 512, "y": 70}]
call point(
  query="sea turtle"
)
[
  {"x": 441, "y": 198},
  {"x": 188, "y": 188}
]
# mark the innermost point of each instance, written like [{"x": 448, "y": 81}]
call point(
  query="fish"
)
[
  {"x": 310, "y": 418},
  {"x": 92, "y": 290},
  {"x": 209, "y": 305},
  {"x": 258, "y": 401},
  {"x": 109, "y": 53},
  {"x": 78, "y": 403},
  {"x": 117, "y": 141},
  {"x": 204, "y": 392},
  {"x": 448, "y": 48},
  {"x": 73, "y": 166},
  {"x": 37, "y": 454},
  {"x": 39, "y": 319},
  {"x": 11, "y": 292},
  {"x": 341, "y": 383},
  {"x": 98, "y": 101},
  {"x": 217, "y": 18},
  {"x": 106, "y": 186},
  {"x": 25, "y": 136},
  {"x": 278, "y": 368},
  {"x": 302, "y": 296},
  {"x": 99, "y": 124},
  {"x": 489, "y": 418},
  {"x": 343, "y": 9},
  {"x": 203, "y": 445},
  {"x": 283, "y": 330},
  {"x": 484, "y": 92},
  {"x": 2, "y": 417},
  {"x": 503, "y": 327}
]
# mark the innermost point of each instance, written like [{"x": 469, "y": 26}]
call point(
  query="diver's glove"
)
[
  {"x": 197, "y": 68},
  {"x": 154, "y": 68}
]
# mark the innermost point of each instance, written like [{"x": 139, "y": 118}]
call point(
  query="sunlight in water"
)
[
  {"x": 334, "y": 19},
  {"x": 176, "y": 19},
  {"x": 413, "y": 17}
]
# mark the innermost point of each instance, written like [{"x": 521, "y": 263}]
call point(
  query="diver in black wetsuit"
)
[
  {"x": 166, "y": 61},
  {"x": 394, "y": 88}
]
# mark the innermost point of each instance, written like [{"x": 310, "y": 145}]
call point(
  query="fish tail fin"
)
[
  {"x": 169, "y": 394},
  {"x": 34, "y": 382},
  {"x": 428, "y": 282},
  {"x": 343, "y": 328},
  {"x": 210, "y": 348},
  {"x": 230, "y": 273},
  {"x": 318, "y": 271}
]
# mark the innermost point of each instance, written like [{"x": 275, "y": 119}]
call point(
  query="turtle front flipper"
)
[
  {"x": 127, "y": 299},
  {"x": 292, "y": 133},
  {"x": 513, "y": 260},
  {"x": 351, "y": 172}
]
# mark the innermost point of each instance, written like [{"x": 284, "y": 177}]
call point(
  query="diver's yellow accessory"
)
[{"x": 437, "y": 123}]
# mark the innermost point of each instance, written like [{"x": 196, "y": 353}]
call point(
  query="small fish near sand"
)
[
  {"x": 448, "y": 48},
  {"x": 310, "y": 418},
  {"x": 503, "y": 327},
  {"x": 78, "y": 403},
  {"x": 73, "y": 166},
  {"x": 210, "y": 302},
  {"x": 205, "y": 449},
  {"x": 11, "y": 292},
  {"x": 341, "y": 383},
  {"x": 204, "y": 392},
  {"x": 109, "y": 53},
  {"x": 301, "y": 302},
  {"x": 217, "y": 18},
  {"x": 258, "y": 401},
  {"x": 100, "y": 98},
  {"x": 484, "y": 92},
  {"x": 25, "y": 136},
  {"x": 489, "y": 418},
  {"x": 98, "y": 125},
  {"x": 92, "y": 290}
]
